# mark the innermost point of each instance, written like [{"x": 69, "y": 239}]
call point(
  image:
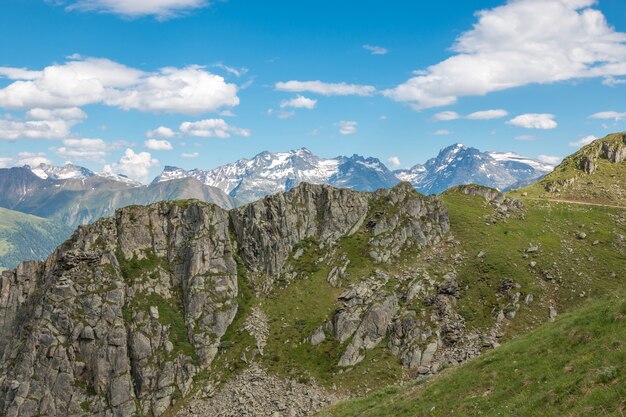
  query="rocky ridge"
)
[{"x": 128, "y": 313}]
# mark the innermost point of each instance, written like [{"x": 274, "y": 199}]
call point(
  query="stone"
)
[
  {"x": 317, "y": 337},
  {"x": 552, "y": 313}
]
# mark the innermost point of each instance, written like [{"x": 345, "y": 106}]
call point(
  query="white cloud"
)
[
  {"x": 190, "y": 155},
  {"x": 522, "y": 42},
  {"x": 442, "y": 132},
  {"x": 534, "y": 121},
  {"x": 285, "y": 114},
  {"x": 34, "y": 129},
  {"x": 70, "y": 114},
  {"x": 347, "y": 127},
  {"x": 583, "y": 141},
  {"x": 549, "y": 159},
  {"x": 609, "y": 115},
  {"x": 525, "y": 137},
  {"x": 299, "y": 102},
  {"x": 161, "y": 9},
  {"x": 210, "y": 128},
  {"x": 158, "y": 145},
  {"x": 25, "y": 158},
  {"x": 376, "y": 50},
  {"x": 445, "y": 116},
  {"x": 161, "y": 132},
  {"x": 394, "y": 161},
  {"x": 133, "y": 165},
  {"x": 237, "y": 72},
  {"x": 326, "y": 89},
  {"x": 84, "y": 149},
  {"x": 487, "y": 115},
  {"x": 612, "y": 81},
  {"x": 83, "y": 81}
]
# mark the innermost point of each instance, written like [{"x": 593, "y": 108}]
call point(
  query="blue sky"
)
[{"x": 92, "y": 81}]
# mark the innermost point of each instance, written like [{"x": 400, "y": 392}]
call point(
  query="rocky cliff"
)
[{"x": 169, "y": 303}]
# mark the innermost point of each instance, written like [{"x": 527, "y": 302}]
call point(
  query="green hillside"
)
[
  {"x": 596, "y": 173},
  {"x": 573, "y": 367},
  {"x": 23, "y": 236}
]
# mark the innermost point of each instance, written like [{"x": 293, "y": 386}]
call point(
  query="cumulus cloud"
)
[
  {"x": 34, "y": 129},
  {"x": 394, "y": 161},
  {"x": 326, "y": 89},
  {"x": 133, "y": 165},
  {"x": 70, "y": 114},
  {"x": 211, "y": 128},
  {"x": 207, "y": 128},
  {"x": 376, "y": 50},
  {"x": 534, "y": 121},
  {"x": 82, "y": 81},
  {"x": 487, "y": 115},
  {"x": 161, "y": 132},
  {"x": 161, "y": 9},
  {"x": 446, "y": 116},
  {"x": 25, "y": 158},
  {"x": 609, "y": 115},
  {"x": 158, "y": 145},
  {"x": 41, "y": 124},
  {"x": 83, "y": 149},
  {"x": 299, "y": 102},
  {"x": 583, "y": 141},
  {"x": 347, "y": 127},
  {"x": 549, "y": 159},
  {"x": 479, "y": 115},
  {"x": 522, "y": 42}
]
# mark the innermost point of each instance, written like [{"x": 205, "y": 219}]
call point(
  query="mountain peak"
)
[{"x": 66, "y": 172}]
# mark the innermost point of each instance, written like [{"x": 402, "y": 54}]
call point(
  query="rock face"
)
[
  {"x": 612, "y": 150},
  {"x": 121, "y": 318}
]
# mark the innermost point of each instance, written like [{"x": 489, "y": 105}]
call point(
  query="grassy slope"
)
[
  {"x": 605, "y": 186},
  {"x": 573, "y": 367},
  {"x": 580, "y": 268},
  {"x": 23, "y": 236}
]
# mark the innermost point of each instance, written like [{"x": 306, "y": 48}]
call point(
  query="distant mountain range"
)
[
  {"x": 267, "y": 173},
  {"x": 76, "y": 195}
]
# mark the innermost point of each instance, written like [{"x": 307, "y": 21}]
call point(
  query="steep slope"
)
[
  {"x": 267, "y": 173},
  {"x": 23, "y": 236},
  {"x": 596, "y": 173},
  {"x": 74, "y": 195},
  {"x": 572, "y": 367},
  {"x": 459, "y": 164}
]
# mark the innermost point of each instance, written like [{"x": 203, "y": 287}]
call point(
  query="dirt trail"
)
[{"x": 583, "y": 203}]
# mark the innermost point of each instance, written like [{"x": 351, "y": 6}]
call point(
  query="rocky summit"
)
[{"x": 128, "y": 316}]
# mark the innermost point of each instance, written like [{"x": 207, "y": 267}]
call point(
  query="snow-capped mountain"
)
[
  {"x": 459, "y": 164},
  {"x": 75, "y": 172},
  {"x": 268, "y": 173},
  {"x": 66, "y": 172}
]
